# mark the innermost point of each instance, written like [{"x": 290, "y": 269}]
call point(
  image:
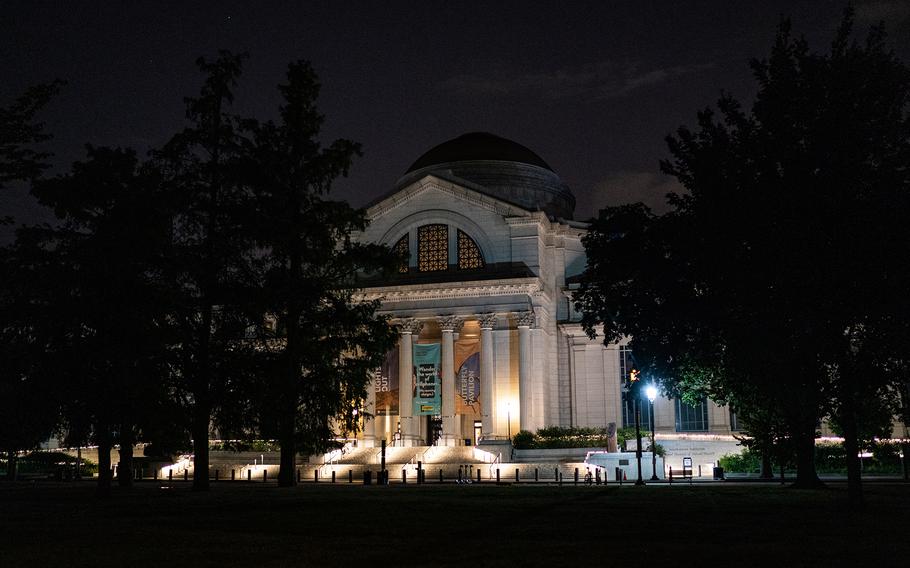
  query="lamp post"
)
[
  {"x": 636, "y": 398},
  {"x": 651, "y": 392},
  {"x": 509, "y": 418}
]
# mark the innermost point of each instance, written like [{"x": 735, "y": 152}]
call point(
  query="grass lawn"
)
[{"x": 254, "y": 525}]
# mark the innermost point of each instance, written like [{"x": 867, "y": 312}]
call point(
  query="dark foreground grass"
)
[{"x": 249, "y": 525}]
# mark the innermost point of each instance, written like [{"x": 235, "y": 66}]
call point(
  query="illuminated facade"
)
[{"x": 486, "y": 226}]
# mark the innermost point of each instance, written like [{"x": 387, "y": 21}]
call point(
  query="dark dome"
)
[
  {"x": 497, "y": 167},
  {"x": 478, "y": 146}
]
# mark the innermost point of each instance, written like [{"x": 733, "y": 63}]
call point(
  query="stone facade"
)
[{"x": 537, "y": 366}]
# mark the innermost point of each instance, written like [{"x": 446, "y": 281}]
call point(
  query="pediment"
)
[{"x": 458, "y": 189}]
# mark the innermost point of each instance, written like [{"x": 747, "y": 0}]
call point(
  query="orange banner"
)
[{"x": 467, "y": 377}]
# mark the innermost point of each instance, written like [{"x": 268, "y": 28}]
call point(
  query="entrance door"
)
[
  {"x": 434, "y": 429},
  {"x": 478, "y": 431}
]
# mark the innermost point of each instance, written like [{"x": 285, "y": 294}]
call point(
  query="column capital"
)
[
  {"x": 409, "y": 325},
  {"x": 525, "y": 319},
  {"x": 487, "y": 320},
  {"x": 449, "y": 322}
]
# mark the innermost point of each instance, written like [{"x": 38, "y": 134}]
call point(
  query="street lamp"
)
[
  {"x": 636, "y": 398},
  {"x": 651, "y": 392}
]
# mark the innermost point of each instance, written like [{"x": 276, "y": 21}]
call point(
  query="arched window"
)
[
  {"x": 403, "y": 249},
  {"x": 469, "y": 255},
  {"x": 432, "y": 248}
]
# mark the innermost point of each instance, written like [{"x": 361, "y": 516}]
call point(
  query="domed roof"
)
[
  {"x": 478, "y": 146},
  {"x": 497, "y": 167}
]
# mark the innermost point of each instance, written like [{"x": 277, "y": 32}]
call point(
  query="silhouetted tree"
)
[
  {"x": 28, "y": 412},
  {"x": 104, "y": 259},
  {"x": 211, "y": 248},
  {"x": 329, "y": 341},
  {"x": 776, "y": 278}
]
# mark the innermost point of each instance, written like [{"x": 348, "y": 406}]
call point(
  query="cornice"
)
[{"x": 446, "y": 290}]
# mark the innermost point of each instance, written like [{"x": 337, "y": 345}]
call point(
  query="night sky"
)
[{"x": 592, "y": 87}]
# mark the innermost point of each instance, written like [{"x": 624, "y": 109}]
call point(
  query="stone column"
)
[
  {"x": 409, "y": 328},
  {"x": 525, "y": 322},
  {"x": 451, "y": 430},
  {"x": 369, "y": 424},
  {"x": 487, "y": 392}
]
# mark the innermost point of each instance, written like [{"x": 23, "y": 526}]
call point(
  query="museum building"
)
[{"x": 490, "y": 343}]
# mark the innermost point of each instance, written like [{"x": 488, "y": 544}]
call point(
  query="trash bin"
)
[
  {"x": 718, "y": 473},
  {"x": 367, "y": 477}
]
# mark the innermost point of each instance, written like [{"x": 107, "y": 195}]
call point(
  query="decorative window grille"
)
[
  {"x": 403, "y": 249},
  {"x": 432, "y": 248},
  {"x": 469, "y": 255},
  {"x": 692, "y": 418}
]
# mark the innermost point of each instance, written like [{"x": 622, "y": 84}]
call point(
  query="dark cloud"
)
[
  {"x": 625, "y": 187},
  {"x": 891, "y": 12},
  {"x": 596, "y": 82}
]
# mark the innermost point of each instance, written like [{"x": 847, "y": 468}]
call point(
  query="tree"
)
[
  {"x": 211, "y": 251},
  {"x": 756, "y": 287},
  {"x": 30, "y": 405},
  {"x": 329, "y": 342},
  {"x": 28, "y": 413},
  {"x": 104, "y": 260}
]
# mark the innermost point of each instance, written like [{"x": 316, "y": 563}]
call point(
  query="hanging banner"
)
[
  {"x": 386, "y": 385},
  {"x": 427, "y": 398},
  {"x": 467, "y": 376}
]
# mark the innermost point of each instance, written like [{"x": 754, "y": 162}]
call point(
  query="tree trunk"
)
[
  {"x": 804, "y": 440},
  {"x": 125, "y": 467},
  {"x": 201, "y": 415},
  {"x": 202, "y": 405},
  {"x": 105, "y": 444},
  {"x": 854, "y": 467},
  {"x": 288, "y": 419},
  {"x": 905, "y": 450},
  {"x": 288, "y": 441},
  {"x": 767, "y": 471}
]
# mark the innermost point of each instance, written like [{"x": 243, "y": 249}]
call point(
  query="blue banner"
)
[{"x": 428, "y": 394}]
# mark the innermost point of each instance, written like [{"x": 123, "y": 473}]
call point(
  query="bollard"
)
[
  {"x": 350, "y": 476},
  {"x": 516, "y": 475},
  {"x": 555, "y": 474},
  {"x": 404, "y": 476},
  {"x": 671, "y": 475},
  {"x": 440, "y": 475},
  {"x": 298, "y": 475},
  {"x": 699, "y": 470},
  {"x": 155, "y": 474},
  {"x": 249, "y": 475},
  {"x": 217, "y": 471},
  {"x": 478, "y": 475},
  {"x": 170, "y": 475},
  {"x": 576, "y": 476},
  {"x": 333, "y": 476},
  {"x": 419, "y": 472},
  {"x": 265, "y": 475},
  {"x": 497, "y": 475},
  {"x": 315, "y": 476},
  {"x": 536, "y": 475},
  {"x": 560, "y": 479},
  {"x": 233, "y": 475},
  {"x": 186, "y": 475},
  {"x": 597, "y": 476}
]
